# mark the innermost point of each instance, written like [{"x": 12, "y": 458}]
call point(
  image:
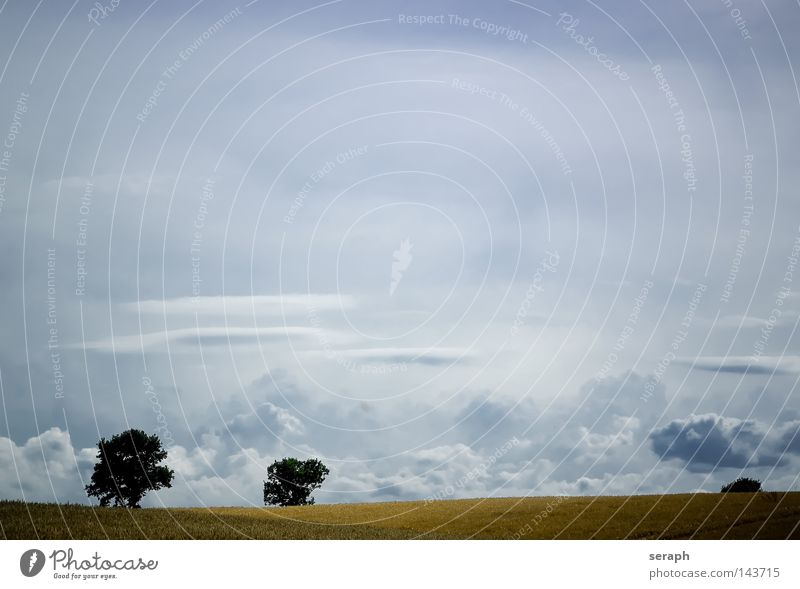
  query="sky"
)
[{"x": 452, "y": 249}]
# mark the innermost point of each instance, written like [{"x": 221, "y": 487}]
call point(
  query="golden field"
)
[{"x": 701, "y": 516}]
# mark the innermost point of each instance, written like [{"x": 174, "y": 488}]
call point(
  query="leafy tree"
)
[
  {"x": 291, "y": 481},
  {"x": 128, "y": 467},
  {"x": 742, "y": 485}
]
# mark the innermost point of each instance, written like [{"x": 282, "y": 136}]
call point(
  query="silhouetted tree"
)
[
  {"x": 742, "y": 485},
  {"x": 128, "y": 467},
  {"x": 290, "y": 481}
]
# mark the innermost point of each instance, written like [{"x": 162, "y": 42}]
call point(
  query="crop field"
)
[{"x": 701, "y": 516}]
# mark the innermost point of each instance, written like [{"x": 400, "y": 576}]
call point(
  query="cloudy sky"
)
[{"x": 450, "y": 248}]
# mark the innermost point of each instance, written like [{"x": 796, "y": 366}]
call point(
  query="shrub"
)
[{"x": 742, "y": 485}]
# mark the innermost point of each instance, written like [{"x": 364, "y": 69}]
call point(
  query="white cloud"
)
[
  {"x": 243, "y": 306},
  {"x": 192, "y": 337},
  {"x": 45, "y": 468}
]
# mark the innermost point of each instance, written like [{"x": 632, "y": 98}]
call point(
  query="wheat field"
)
[{"x": 701, "y": 516}]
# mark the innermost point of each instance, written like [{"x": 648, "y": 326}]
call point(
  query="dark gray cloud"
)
[
  {"x": 711, "y": 441},
  {"x": 755, "y": 365},
  {"x": 744, "y": 369}
]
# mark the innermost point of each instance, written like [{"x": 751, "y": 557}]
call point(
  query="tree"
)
[
  {"x": 128, "y": 467},
  {"x": 742, "y": 485},
  {"x": 291, "y": 481}
]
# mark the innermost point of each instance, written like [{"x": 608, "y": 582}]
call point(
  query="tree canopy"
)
[
  {"x": 291, "y": 481},
  {"x": 128, "y": 467}
]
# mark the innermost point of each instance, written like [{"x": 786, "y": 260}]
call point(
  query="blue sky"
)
[{"x": 531, "y": 248}]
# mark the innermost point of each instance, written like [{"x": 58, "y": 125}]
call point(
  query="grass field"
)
[{"x": 703, "y": 516}]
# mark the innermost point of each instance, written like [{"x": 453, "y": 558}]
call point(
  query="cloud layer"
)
[{"x": 400, "y": 245}]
